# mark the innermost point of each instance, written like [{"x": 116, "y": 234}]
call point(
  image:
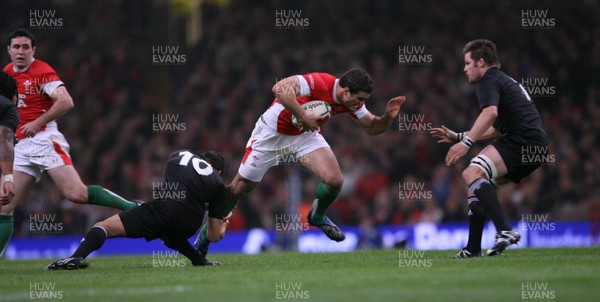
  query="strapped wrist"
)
[
  {"x": 467, "y": 141},
  {"x": 7, "y": 177}
]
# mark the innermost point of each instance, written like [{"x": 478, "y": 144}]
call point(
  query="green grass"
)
[{"x": 567, "y": 275}]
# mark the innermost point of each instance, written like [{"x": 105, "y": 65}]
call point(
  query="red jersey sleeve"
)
[
  {"x": 320, "y": 85},
  {"x": 42, "y": 74}
]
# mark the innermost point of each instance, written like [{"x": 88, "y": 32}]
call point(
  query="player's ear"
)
[{"x": 480, "y": 62}]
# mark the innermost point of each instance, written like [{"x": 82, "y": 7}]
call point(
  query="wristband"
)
[
  {"x": 467, "y": 141},
  {"x": 460, "y": 136},
  {"x": 7, "y": 177}
]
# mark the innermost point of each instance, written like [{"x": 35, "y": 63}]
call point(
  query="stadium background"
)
[{"x": 104, "y": 50}]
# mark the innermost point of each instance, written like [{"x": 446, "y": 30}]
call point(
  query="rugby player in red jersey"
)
[
  {"x": 43, "y": 98},
  {"x": 275, "y": 133}
]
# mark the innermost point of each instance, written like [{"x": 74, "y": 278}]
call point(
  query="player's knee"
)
[
  {"x": 471, "y": 173},
  {"x": 334, "y": 182},
  {"x": 78, "y": 195}
]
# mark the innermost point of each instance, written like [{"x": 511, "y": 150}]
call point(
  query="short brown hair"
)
[
  {"x": 21, "y": 32},
  {"x": 357, "y": 79},
  {"x": 482, "y": 48}
]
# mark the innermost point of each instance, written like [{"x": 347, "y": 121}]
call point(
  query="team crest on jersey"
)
[{"x": 27, "y": 85}]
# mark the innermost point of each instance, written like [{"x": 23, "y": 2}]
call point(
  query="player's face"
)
[
  {"x": 21, "y": 52},
  {"x": 352, "y": 100},
  {"x": 474, "y": 70}
]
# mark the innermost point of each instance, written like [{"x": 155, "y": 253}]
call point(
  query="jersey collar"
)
[{"x": 24, "y": 68}]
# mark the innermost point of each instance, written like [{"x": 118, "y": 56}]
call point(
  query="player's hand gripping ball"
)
[{"x": 319, "y": 108}]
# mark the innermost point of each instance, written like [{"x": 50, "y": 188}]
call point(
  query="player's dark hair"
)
[
  {"x": 357, "y": 79},
  {"x": 21, "y": 32},
  {"x": 215, "y": 159},
  {"x": 482, "y": 48},
  {"x": 8, "y": 85}
]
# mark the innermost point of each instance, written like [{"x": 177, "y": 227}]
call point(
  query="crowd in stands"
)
[{"x": 103, "y": 53}]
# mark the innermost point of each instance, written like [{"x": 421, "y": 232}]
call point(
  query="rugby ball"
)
[{"x": 318, "y": 108}]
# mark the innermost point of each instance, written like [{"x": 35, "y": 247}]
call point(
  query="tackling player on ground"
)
[
  {"x": 509, "y": 115},
  {"x": 40, "y": 147},
  {"x": 274, "y": 134},
  {"x": 197, "y": 179}
]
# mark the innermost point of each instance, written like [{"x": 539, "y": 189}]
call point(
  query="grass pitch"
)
[{"x": 520, "y": 275}]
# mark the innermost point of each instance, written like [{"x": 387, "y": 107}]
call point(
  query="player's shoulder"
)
[
  {"x": 8, "y": 68},
  {"x": 494, "y": 74},
  {"x": 39, "y": 66},
  {"x": 320, "y": 76}
]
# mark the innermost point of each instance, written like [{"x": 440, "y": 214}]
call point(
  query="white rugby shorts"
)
[
  {"x": 266, "y": 148},
  {"x": 47, "y": 150}
]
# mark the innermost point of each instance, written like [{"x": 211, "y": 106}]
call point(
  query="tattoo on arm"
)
[{"x": 7, "y": 137}]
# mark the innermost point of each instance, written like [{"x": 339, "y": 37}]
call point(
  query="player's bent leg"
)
[
  {"x": 477, "y": 218},
  {"x": 322, "y": 162},
  {"x": 484, "y": 167},
  {"x": 21, "y": 181},
  {"x": 68, "y": 181},
  {"x": 93, "y": 240}
]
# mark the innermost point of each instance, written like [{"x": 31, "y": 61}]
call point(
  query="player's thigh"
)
[
  {"x": 113, "y": 226},
  {"x": 323, "y": 163},
  {"x": 488, "y": 163},
  {"x": 21, "y": 182},
  {"x": 68, "y": 181}
]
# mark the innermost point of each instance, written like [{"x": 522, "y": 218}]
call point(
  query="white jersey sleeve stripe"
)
[
  {"x": 304, "y": 89},
  {"x": 49, "y": 87},
  {"x": 361, "y": 112}
]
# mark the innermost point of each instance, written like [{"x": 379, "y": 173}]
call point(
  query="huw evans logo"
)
[
  {"x": 290, "y": 19},
  {"x": 44, "y": 224},
  {"x": 44, "y": 291},
  {"x": 167, "y": 55},
  {"x": 414, "y": 55},
  {"x": 537, "y": 19},
  {"x": 167, "y": 123},
  {"x": 538, "y": 87},
  {"x": 44, "y": 19}
]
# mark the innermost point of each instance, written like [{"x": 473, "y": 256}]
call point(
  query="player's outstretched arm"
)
[
  {"x": 185, "y": 248},
  {"x": 484, "y": 122},
  {"x": 374, "y": 125}
]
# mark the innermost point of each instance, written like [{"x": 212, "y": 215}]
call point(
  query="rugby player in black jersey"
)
[
  {"x": 507, "y": 114},
  {"x": 197, "y": 179}
]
